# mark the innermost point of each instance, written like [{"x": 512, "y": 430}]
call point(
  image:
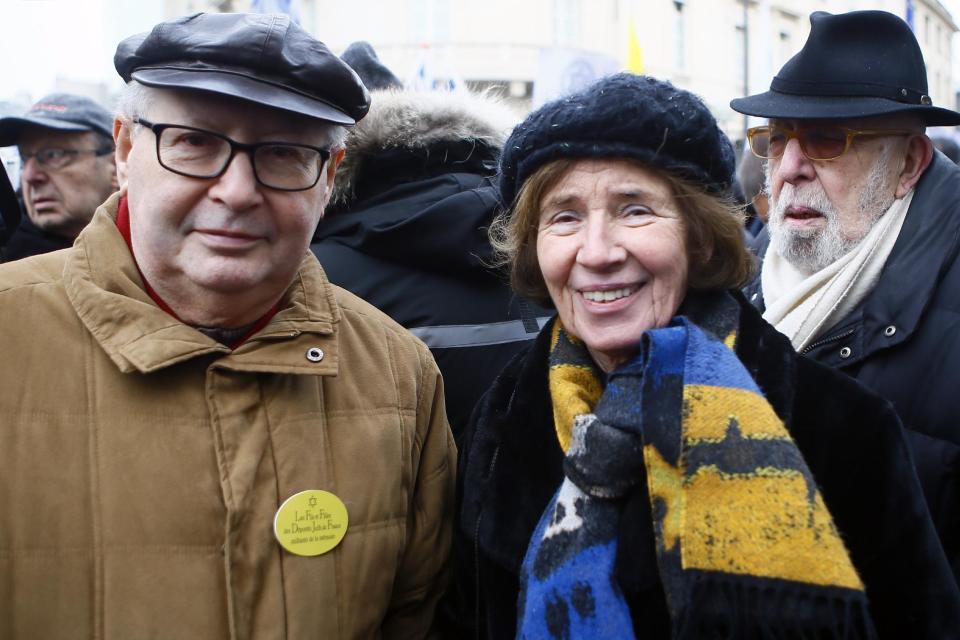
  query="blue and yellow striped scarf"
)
[{"x": 736, "y": 511}]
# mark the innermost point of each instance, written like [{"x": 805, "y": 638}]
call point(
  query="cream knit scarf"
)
[{"x": 803, "y": 306}]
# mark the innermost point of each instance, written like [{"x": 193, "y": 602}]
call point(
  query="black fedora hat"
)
[{"x": 853, "y": 65}]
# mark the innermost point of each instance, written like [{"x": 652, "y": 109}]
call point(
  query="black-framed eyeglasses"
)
[
  {"x": 198, "y": 153},
  {"x": 57, "y": 158},
  {"x": 816, "y": 142}
]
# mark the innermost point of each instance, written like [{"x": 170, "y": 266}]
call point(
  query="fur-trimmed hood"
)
[{"x": 422, "y": 121}]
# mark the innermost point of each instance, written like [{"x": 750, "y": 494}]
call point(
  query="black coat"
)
[
  {"x": 407, "y": 232},
  {"x": 10, "y": 212},
  {"x": 510, "y": 466},
  {"x": 29, "y": 240},
  {"x": 903, "y": 341},
  {"x": 418, "y": 251}
]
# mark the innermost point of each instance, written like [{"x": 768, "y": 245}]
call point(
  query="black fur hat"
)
[{"x": 624, "y": 116}]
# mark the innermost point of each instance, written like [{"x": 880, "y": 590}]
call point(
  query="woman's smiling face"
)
[{"x": 612, "y": 250}]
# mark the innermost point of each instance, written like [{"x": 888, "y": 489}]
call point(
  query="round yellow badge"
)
[{"x": 310, "y": 523}]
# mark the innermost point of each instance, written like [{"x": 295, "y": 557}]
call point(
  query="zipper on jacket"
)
[{"x": 818, "y": 343}]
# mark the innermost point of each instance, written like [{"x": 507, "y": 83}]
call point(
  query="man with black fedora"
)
[
  {"x": 860, "y": 268},
  {"x": 66, "y": 150},
  {"x": 201, "y": 436}
]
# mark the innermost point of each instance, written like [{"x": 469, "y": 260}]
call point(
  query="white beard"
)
[{"x": 810, "y": 250}]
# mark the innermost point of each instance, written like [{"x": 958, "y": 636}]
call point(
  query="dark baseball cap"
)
[
  {"x": 262, "y": 58},
  {"x": 60, "y": 112}
]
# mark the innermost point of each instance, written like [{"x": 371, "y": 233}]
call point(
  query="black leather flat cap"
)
[{"x": 261, "y": 58}]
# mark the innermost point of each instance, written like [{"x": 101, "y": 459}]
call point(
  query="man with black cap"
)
[
  {"x": 202, "y": 437},
  {"x": 860, "y": 269},
  {"x": 66, "y": 149}
]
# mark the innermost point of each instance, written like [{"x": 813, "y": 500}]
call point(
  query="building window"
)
[
  {"x": 430, "y": 21},
  {"x": 786, "y": 47},
  {"x": 741, "y": 54},
  {"x": 680, "y": 35},
  {"x": 566, "y": 22},
  {"x": 420, "y": 17}
]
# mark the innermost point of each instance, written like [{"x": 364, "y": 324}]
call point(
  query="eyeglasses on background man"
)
[
  {"x": 57, "y": 158},
  {"x": 816, "y": 142}
]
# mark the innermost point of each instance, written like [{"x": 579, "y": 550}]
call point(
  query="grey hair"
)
[
  {"x": 135, "y": 100},
  {"x": 335, "y": 135}
]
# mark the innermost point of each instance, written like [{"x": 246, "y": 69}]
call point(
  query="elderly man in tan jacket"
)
[{"x": 200, "y": 436}]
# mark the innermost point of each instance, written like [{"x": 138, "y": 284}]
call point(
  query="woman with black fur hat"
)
[{"x": 660, "y": 463}]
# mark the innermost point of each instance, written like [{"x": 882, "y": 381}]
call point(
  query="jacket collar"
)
[{"x": 103, "y": 285}]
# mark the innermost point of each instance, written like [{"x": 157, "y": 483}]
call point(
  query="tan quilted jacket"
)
[{"x": 141, "y": 463}]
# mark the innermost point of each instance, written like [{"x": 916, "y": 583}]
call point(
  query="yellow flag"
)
[{"x": 634, "y": 52}]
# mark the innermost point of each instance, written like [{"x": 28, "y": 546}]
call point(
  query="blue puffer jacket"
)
[{"x": 903, "y": 341}]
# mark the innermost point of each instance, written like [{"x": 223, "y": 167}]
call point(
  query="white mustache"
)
[{"x": 810, "y": 195}]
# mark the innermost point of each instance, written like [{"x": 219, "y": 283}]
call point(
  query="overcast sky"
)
[{"x": 43, "y": 39}]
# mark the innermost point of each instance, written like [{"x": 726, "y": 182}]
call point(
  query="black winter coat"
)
[
  {"x": 10, "y": 212},
  {"x": 511, "y": 465},
  {"x": 903, "y": 341},
  {"x": 408, "y": 234},
  {"x": 29, "y": 240}
]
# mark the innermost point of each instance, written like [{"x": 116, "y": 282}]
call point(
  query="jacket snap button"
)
[
  {"x": 889, "y": 331},
  {"x": 845, "y": 352},
  {"x": 314, "y": 354}
]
